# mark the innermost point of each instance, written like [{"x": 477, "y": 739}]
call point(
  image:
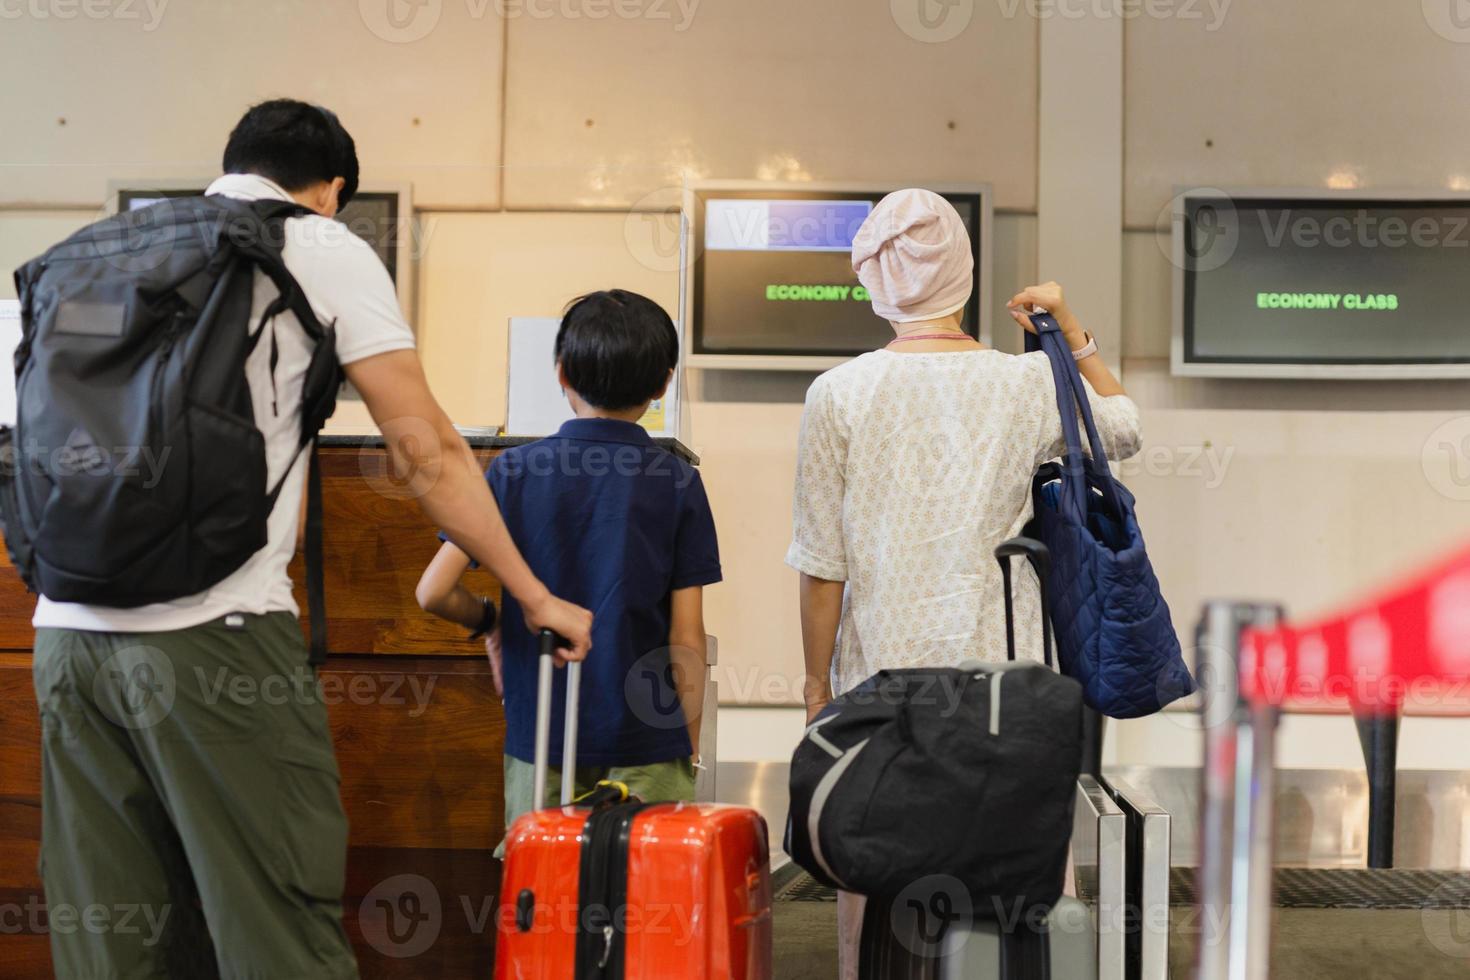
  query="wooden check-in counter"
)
[{"x": 418, "y": 730}]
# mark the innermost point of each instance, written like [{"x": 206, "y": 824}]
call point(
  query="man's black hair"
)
[
  {"x": 295, "y": 144},
  {"x": 616, "y": 348}
]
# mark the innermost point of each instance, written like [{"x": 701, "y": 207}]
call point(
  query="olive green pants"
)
[
  {"x": 191, "y": 821},
  {"x": 661, "y": 782}
]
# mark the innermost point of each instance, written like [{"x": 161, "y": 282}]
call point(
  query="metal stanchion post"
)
[
  {"x": 1254, "y": 863},
  {"x": 1380, "y": 737},
  {"x": 1228, "y": 818}
]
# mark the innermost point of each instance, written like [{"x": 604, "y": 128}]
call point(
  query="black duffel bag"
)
[{"x": 969, "y": 773}]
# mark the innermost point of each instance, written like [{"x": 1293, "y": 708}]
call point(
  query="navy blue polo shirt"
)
[{"x": 608, "y": 520}]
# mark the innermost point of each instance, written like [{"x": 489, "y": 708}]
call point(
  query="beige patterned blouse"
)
[{"x": 911, "y": 469}]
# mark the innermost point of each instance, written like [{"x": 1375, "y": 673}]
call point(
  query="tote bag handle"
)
[{"x": 1071, "y": 402}]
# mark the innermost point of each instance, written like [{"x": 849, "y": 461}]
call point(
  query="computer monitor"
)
[
  {"x": 381, "y": 216},
  {"x": 1320, "y": 284},
  {"x": 769, "y": 279}
]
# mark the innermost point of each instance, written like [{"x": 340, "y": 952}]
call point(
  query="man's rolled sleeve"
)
[{"x": 349, "y": 287}]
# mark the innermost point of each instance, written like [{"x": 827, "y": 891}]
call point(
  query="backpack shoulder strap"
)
[{"x": 260, "y": 242}]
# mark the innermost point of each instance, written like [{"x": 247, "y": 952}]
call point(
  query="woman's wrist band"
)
[
  {"x": 1087, "y": 349},
  {"x": 487, "y": 618}
]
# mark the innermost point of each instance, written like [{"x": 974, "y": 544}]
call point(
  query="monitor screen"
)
[
  {"x": 772, "y": 272},
  {"x": 371, "y": 216},
  {"x": 1323, "y": 281}
]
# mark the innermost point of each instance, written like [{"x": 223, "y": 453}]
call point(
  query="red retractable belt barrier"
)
[{"x": 1408, "y": 645}]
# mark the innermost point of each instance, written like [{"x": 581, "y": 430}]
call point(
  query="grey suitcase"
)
[
  {"x": 930, "y": 933},
  {"x": 927, "y": 938}
]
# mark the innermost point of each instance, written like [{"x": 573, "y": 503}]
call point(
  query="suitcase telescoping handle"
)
[
  {"x": 1040, "y": 558},
  {"x": 549, "y": 643}
]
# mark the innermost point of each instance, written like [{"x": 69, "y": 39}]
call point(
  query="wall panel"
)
[
  {"x": 479, "y": 270},
  {"x": 822, "y": 90},
  {"x": 156, "y": 94},
  {"x": 26, "y": 234},
  {"x": 1293, "y": 94}
]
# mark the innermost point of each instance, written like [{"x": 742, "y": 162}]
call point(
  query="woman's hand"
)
[
  {"x": 1049, "y": 297},
  {"x": 814, "y": 708},
  {"x": 818, "y": 694}
]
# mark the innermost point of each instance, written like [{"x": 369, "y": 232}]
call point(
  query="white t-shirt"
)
[
  {"x": 912, "y": 468},
  {"x": 344, "y": 281}
]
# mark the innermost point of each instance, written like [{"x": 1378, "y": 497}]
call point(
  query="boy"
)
[{"x": 613, "y": 522}]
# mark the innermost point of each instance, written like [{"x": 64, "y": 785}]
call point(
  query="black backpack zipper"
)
[{"x": 155, "y": 385}]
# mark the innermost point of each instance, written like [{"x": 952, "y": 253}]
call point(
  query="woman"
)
[{"x": 916, "y": 461}]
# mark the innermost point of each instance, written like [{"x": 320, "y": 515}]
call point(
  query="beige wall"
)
[{"x": 1302, "y": 492}]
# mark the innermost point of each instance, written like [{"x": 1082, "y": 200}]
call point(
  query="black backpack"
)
[
  {"x": 926, "y": 775},
  {"x": 135, "y": 472}
]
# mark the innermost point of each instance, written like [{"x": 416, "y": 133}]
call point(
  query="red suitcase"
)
[{"x": 630, "y": 890}]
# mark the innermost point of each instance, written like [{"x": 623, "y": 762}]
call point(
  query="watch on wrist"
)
[
  {"x": 1087, "y": 349},
  {"x": 487, "y": 618}
]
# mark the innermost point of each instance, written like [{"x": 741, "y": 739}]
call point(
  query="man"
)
[{"x": 233, "y": 803}]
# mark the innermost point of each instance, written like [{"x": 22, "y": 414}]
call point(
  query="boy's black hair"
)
[
  {"x": 295, "y": 144},
  {"x": 616, "y": 348}
]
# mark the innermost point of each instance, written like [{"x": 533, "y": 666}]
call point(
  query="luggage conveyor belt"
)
[
  {"x": 1334, "y": 918},
  {"x": 1340, "y": 919},
  {"x": 1322, "y": 815},
  {"x": 1322, "y": 831}
]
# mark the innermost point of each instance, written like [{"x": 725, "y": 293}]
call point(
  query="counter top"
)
[{"x": 478, "y": 439}]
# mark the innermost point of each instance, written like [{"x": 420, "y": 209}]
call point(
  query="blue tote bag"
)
[{"x": 1113, "y": 630}]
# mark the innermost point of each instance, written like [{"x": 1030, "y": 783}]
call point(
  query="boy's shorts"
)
[{"x": 671, "y": 781}]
